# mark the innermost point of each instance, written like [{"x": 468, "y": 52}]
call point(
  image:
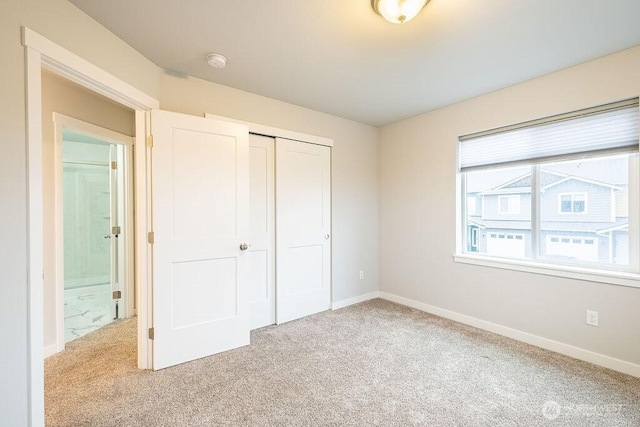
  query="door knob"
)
[
  {"x": 107, "y": 236},
  {"x": 244, "y": 246},
  {"x": 326, "y": 237}
]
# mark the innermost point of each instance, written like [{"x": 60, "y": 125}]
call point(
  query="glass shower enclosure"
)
[{"x": 90, "y": 231}]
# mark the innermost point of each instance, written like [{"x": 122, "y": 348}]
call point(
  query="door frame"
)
[
  {"x": 41, "y": 53},
  {"x": 126, "y": 244}
]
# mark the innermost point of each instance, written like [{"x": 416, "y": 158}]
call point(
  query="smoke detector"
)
[{"x": 216, "y": 60}]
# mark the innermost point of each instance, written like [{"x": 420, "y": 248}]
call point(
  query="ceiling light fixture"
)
[
  {"x": 398, "y": 11},
  {"x": 216, "y": 60}
]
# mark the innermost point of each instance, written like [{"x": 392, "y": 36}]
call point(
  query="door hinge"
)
[
  {"x": 114, "y": 165},
  {"x": 115, "y": 230},
  {"x": 150, "y": 141},
  {"x": 151, "y": 333},
  {"x": 151, "y": 237},
  {"x": 117, "y": 294}
]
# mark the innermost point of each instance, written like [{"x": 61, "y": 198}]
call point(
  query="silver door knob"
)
[
  {"x": 244, "y": 246},
  {"x": 107, "y": 236},
  {"x": 326, "y": 237}
]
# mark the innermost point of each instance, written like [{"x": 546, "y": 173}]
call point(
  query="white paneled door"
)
[
  {"x": 262, "y": 231},
  {"x": 200, "y": 214},
  {"x": 303, "y": 224}
]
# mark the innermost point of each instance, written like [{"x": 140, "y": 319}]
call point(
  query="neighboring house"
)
[{"x": 581, "y": 219}]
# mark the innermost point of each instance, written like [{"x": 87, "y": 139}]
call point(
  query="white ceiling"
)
[{"x": 339, "y": 57}]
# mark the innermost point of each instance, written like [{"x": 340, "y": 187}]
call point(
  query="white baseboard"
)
[
  {"x": 50, "y": 350},
  {"x": 558, "y": 347},
  {"x": 355, "y": 300}
]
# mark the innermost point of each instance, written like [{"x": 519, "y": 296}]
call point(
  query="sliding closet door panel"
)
[
  {"x": 303, "y": 212},
  {"x": 262, "y": 231}
]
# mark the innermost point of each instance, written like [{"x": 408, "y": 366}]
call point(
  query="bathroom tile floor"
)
[{"x": 86, "y": 309}]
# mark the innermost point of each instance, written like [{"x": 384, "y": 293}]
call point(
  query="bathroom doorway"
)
[{"x": 94, "y": 211}]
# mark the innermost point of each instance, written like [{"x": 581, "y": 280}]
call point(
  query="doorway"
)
[
  {"x": 94, "y": 227},
  {"x": 42, "y": 54},
  {"x": 87, "y": 212}
]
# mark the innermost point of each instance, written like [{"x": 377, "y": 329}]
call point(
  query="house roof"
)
[
  {"x": 573, "y": 226},
  {"x": 614, "y": 172},
  {"x": 588, "y": 181},
  {"x": 618, "y": 227},
  {"x": 548, "y": 179}
]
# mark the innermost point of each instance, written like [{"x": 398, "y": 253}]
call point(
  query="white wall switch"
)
[{"x": 361, "y": 275}]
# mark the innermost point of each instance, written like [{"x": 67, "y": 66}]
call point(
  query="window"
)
[
  {"x": 472, "y": 205},
  {"x": 572, "y": 203},
  {"x": 562, "y": 190},
  {"x": 509, "y": 204}
]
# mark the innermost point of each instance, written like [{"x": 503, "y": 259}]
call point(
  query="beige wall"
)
[
  {"x": 417, "y": 216},
  {"x": 354, "y": 171},
  {"x": 62, "y": 96},
  {"x": 63, "y": 23}
]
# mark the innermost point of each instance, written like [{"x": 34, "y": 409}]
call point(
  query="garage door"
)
[
  {"x": 509, "y": 245},
  {"x": 580, "y": 248}
]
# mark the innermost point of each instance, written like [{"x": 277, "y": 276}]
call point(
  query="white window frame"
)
[
  {"x": 513, "y": 208},
  {"x": 572, "y": 195},
  {"x": 615, "y": 275}
]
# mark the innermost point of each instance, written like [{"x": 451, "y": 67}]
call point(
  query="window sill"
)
[{"x": 580, "y": 273}]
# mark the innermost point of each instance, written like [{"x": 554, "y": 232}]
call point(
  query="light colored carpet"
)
[{"x": 375, "y": 363}]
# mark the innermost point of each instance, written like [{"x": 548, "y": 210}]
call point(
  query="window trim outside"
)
[
  {"x": 510, "y": 211},
  {"x": 572, "y": 194}
]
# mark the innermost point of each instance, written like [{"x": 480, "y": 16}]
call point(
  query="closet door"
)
[
  {"x": 303, "y": 224},
  {"x": 261, "y": 231}
]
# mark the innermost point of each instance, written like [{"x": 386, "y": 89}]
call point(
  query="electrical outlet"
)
[
  {"x": 361, "y": 275},
  {"x": 592, "y": 318}
]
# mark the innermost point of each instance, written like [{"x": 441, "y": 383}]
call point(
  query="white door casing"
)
[
  {"x": 200, "y": 202},
  {"x": 262, "y": 231},
  {"x": 303, "y": 224},
  {"x": 41, "y": 52}
]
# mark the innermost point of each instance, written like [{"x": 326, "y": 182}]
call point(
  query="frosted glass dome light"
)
[{"x": 398, "y": 11}]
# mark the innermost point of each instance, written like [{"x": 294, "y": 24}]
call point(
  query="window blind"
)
[{"x": 612, "y": 128}]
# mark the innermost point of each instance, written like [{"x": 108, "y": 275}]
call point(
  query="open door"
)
[
  {"x": 114, "y": 232},
  {"x": 121, "y": 285},
  {"x": 200, "y": 180}
]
